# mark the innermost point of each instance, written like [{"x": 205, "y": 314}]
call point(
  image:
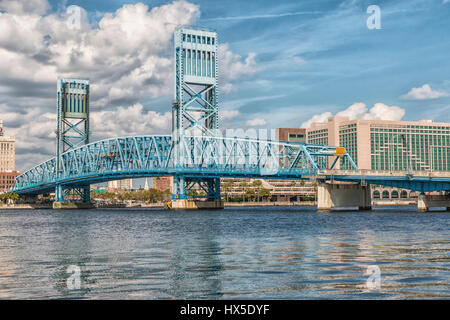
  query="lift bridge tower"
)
[
  {"x": 72, "y": 131},
  {"x": 195, "y": 110}
]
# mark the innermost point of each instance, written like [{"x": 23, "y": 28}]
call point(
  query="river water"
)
[{"x": 244, "y": 253}]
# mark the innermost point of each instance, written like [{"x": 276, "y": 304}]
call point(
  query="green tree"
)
[
  {"x": 250, "y": 194},
  {"x": 257, "y": 186},
  {"x": 227, "y": 186},
  {"x": 9, "y": 197},
  {"x": 265, "y": 193},
  {"x": 257, "y": 183}
]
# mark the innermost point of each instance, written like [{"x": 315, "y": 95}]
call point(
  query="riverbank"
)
[
  {"x": 27, "y": 206},
  {"x": 236, "y": 253}
]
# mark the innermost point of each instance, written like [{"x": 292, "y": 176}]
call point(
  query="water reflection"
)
[{"x": 267, "y": 253}]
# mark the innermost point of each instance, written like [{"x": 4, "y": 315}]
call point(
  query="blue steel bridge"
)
[
  {"x": 207, "y": 157},
  {"x": 195, "y": 155},
  {"x": 195, "y": 158}
]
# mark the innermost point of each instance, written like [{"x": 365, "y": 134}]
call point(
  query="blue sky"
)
[
  {"x": 339, "y": 60},
  {"x": 291, "y": 61}
]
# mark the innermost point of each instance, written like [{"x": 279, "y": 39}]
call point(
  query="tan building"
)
[
  {"x": 291, "y": 134},
  {"x": 421, "y": 145},
  {"x": 7, "y": 151},
  {"x": 125, "y": 184},
  {"x": 280, "y": 190}
]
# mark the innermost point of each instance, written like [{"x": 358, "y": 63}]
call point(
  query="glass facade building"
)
[{"x": 387, "y": 145}]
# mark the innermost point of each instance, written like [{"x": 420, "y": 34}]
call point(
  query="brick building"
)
[{"x": 162, "y": 183}]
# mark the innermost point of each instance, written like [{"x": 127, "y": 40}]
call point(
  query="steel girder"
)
[
  {"x": 200, "y": 157},
  {"x": 415, "y": 183}
]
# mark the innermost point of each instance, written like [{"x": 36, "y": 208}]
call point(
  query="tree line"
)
[{"x": 150, "y": 196}]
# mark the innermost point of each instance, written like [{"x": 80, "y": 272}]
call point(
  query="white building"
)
[{"x": 125, "y": 184}]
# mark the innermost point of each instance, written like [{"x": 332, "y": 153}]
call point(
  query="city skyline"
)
[
  {"x": 308, "y": 72},
  {"x": 191, "y": 149}
]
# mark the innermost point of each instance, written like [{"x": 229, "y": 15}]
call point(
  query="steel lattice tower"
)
[
  {"x": 195, "y": 110},
  {"x": 72, "y": 130}
]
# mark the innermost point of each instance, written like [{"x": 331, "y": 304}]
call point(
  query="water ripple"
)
[{"x": 248, "y": 253}]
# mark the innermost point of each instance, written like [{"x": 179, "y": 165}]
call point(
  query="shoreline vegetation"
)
[
  {"x": 160, "y": 205},
  {"x": 153, "y": 198}
]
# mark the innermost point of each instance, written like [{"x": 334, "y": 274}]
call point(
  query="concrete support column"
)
[
  {"x": 343, "y": 195},
  {"x": 425, "y": 202},
  {"x": 188, "y": 204},
  {"x": 324, "y": 202},
  {"x": 422, "y": 203}
]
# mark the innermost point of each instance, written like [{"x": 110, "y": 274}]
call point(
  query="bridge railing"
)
[{"x": 366, "y": 172}]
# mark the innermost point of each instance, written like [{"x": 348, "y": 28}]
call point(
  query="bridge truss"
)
[
  {"x": 194, "y": 154},
  {"x": 203, "y": 160}
]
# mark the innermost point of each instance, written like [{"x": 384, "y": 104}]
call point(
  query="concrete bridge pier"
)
[
  {"x": 425, "y": 202},
  {"x": 73, "y": 198},
  {"x": 190, "y": 204},
  {"x": 183, "y": 202},
  {"x": 334, "y": 195}
]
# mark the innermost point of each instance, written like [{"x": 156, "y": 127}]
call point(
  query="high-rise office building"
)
[
  {"x": 421, "y": 145},
  {"x": 7, "y": 151},
  {"x": 7, "y": 160}
]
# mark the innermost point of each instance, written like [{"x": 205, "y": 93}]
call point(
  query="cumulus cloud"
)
[
  {"x": 225, "y": 115},
  {"x": 231, "y": 67},
  {"x": 425, "y": 93},
  {"x": 127, "y": 56},
  {"x": 24, "y": 6},
  {"x": 321, "y": 118},
  {"x": 256, "y": 122},
  {"x": 35, "y": 132},
  {"x": 359, "y": 110},
  {"x": 133, "y": 120}
]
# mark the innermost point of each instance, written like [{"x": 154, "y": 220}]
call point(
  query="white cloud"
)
[
  {"x": 36, "y": 133},
  {"x": 256, "y": 122},
  {"x": 445, "y": 1},
  {"x": 424, "y": 93},
  {"x": 321, "y": 118},
  {"x": 127, "y": 57},
  {"x": 133, "y": 120},
  {"x": 379, "y": 111},
  {"x": 225, "y": 115},
  {"x": 24, "y": 6},
  {"x": 231, "y": 67}
]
